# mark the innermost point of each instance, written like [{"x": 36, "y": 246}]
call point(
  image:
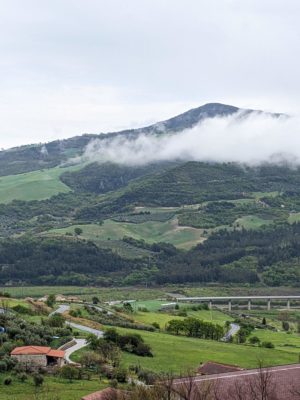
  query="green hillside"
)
[
  {"x": 37, "y": 185},
  {"x": 151, "y": 232}
]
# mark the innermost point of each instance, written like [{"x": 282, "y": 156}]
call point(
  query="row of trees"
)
[{"x": 194, "y": 327}]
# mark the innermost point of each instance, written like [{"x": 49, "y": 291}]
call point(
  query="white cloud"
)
[{"x": 248, "y": 139}]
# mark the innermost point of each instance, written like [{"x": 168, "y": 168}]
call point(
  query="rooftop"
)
[{"x": 38, "y": 350}]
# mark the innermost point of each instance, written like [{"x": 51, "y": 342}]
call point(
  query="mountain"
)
[
  {"x": 38, "y": 156},
  {"x": 167, "y": 222}
]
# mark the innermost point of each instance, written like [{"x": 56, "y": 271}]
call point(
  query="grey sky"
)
[{"x": 74, "y": 66}]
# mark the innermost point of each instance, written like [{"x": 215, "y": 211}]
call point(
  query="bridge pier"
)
[
  {"x": 249, "y": 304},
  {"x": 229, "y": 305},
  {"x": 269, "y": 304},
  {"x": 288, "y": 304},
  {"x": 210, "y": 304}
]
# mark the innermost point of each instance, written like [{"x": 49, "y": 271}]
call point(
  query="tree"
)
[
  {"x": 69, "y": 372},
  {"x": 264, "y": 321},
  {"x": 254, "y": 340},
  {"x": 78, "y": 231},
  {"x": 56, "y": 321},
  {"x": 50, "y": 300},
  {"x": 95, "y": 300},
  {"x": 285, "y": 326},
  {"x": 128, "y": 308}
]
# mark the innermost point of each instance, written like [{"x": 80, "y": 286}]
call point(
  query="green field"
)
[
  {"x": 179, "y": 353},
  {"x": 252, "y": 222},
  {"x": 295, "y": 217},
  {"x": 163, "y": 318},
  {"x": 37, "y": 185},
  {"x": 289, "y": 342},
  {"x": 53, "y": 388},
  {"x": 151, "y": 232}
]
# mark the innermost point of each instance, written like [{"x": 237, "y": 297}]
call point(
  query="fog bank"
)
[{"x": 250, "y": 139}]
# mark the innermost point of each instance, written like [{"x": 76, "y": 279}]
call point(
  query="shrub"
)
[
  {"x": 114, "y": 383},
  {"x": 69, "y": 372},
  {"x": 285, "y": 326},
  {"x": 22, "y": 377},
  {"x": 268, "y": 345},
  {"x": 156, "y": 325},
  {"x": 254, "y": 340},
  {"x": 38, "y": 380},
  {"x": 146, "y": 376},
  {"x": 120, "y": 375},
  {"x": 7, "y": 381},
  {"x": 143, "y": 350}
]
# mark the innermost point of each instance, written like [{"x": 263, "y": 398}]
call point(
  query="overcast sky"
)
[{"x": 74, "y": 66}]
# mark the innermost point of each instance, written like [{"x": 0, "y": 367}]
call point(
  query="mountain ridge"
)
[{"x": 33, "y": 157}]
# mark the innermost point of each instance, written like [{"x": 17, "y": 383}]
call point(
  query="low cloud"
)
[{"x": 252, "y": 139}]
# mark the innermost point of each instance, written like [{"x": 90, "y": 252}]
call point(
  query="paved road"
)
[
  {"x": 234, "y": 328},
  {"x": 61, "y": 309},
  {"x": 80, "y": 343},
  {"x": 84, "y": 328}
]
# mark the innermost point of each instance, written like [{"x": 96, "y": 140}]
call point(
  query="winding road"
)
[{"x": 234, "y": 328}]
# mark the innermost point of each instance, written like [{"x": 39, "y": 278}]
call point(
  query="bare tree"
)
[
  {"x": 189, "y": 388},
  {"x": 262, "y": 385}
]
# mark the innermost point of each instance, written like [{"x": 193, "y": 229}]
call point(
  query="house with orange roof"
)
[{"x": 38, "y": 356}]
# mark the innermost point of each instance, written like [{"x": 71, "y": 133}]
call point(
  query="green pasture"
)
[
  {"x": 295, "y": 217},
  {"x": 252, "y": 222},
  {"x": 53, "y": 388},
  {"x": 179, "y": 353},
  {"x": 151, "y": 232},
  {"x": 36, "y": 185},
  {"x": 289, "y": 342},
  {"x": 162, "y": 318}
]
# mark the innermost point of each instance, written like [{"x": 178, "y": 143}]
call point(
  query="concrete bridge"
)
[{"x": 231, "y": 299}]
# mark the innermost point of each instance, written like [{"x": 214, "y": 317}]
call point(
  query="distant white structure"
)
[{"x": 167, "y": 306}]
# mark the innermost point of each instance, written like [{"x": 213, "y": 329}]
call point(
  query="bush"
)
[
  {"x": 146, "y": 376},
  {"x": 285, "y": 326},
  {"x": 114, "y": 383},
  {"x": 3, "y": 366},
  {"x": 7, "y": 381},
  {"x": 22, "y": 377},
  {"x": 69, "y": 372},
  {"x": 120, "y": 375},
  {"x": 143, "y": 350},
  {"x": 156, "y": 325},
  {"x": 38, "y": 380},
  {"x": 254, "y": 340},
  {"x": 268, "y": 345}
]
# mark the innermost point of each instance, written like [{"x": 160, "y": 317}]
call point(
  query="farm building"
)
[{"x": 38, "y": 356}]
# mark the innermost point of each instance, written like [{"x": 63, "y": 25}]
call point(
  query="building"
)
[{"x": 38, "y": 356}]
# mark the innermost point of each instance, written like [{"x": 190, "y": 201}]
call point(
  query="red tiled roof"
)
[
  {"x": 56, "y": 353},
  {"x": 38, "y": 350}
]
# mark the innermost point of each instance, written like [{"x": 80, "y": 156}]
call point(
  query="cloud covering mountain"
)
[{"x": 244, "y": 137}]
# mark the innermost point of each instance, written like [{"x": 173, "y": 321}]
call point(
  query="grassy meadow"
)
[
  {"x": 179, "y": 353},
  {"x": 151, "y": 232},
  {"x": 36, "y": 185},
  {"x": 53, "y": 388}
]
